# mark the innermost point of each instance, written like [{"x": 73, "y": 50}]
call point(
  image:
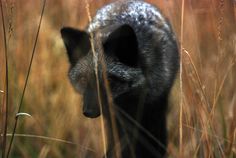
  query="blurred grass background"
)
[{"x": 208, "y": 80}]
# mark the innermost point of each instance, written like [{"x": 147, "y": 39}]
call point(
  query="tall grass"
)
[
  {"x": 57, "y": 128},
  {"x": 4, "y": 108},
  {"x": 25, "y": 84}
]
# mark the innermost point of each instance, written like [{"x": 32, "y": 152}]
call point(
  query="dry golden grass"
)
[{"x": 208, "y": 80}]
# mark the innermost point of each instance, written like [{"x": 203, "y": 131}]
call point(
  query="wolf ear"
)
[
  {"x": 123, "y": 45},
  {"x": 77, "y": 43}
]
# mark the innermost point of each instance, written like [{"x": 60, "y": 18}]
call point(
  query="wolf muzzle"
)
[{"x": 91, "y": 104}]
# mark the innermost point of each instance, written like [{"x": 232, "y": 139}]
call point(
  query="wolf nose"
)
[{"x": 91, "y": 113}]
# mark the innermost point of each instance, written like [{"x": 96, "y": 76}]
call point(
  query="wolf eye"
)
[
  {"x": 82, "y": 81},
  {"x": 81, "y": 84}
]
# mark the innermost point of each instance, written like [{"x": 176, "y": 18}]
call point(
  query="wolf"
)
[{"x": 136, "y": 44}]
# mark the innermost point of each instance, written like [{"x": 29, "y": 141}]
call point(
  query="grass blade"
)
[
  {"x": 181, "y": 83},
  {"x": 3, "y": 145},
  {"x": 27, "y": 78},
  {"x": 95, "y": 58}
]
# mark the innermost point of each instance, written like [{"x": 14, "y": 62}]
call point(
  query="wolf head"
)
[
  {"x": 138, "y": 48},
  {"x": 118, "y": 48}
]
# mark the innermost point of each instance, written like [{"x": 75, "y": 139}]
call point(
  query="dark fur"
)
[{"x": 141, "y": 56}]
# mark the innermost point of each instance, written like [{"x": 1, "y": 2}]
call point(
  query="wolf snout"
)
[
  {"x": 90, "y": 106},
  {"x": 91, "y": 113}
]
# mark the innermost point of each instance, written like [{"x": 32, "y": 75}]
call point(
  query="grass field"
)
[{"x": 202, "y": 111}]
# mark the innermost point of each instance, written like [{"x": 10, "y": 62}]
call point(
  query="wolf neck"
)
[{"x": 143, "y": 131}]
